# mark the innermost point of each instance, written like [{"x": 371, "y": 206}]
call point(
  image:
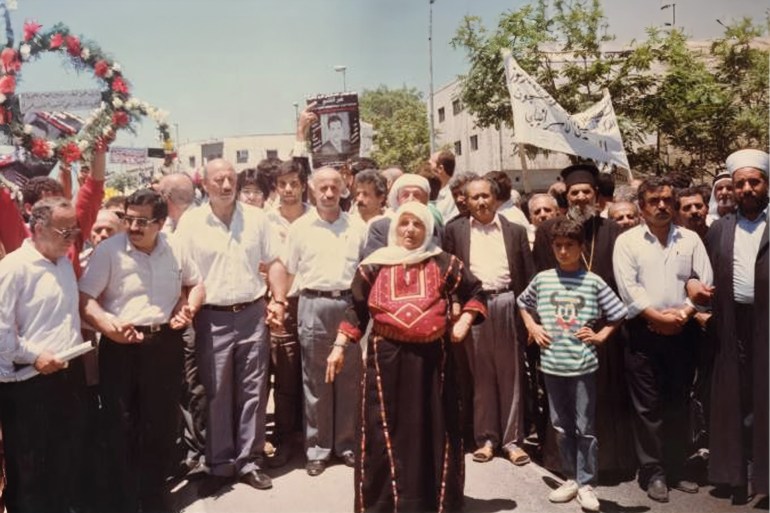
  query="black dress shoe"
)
[
  {"x": 257, "y": 479},
  {"x": 349, "y": 459},
  {"x": 657, "y": 490},
  {"x": 686, "y": 486},
  {"x": 741, "y": 496},
  {"x": 315, "y": 467}
]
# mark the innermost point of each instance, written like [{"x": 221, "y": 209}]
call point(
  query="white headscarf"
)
[
  {"x": 713, "y": 214},
  {"x": 406, "y": 180},
  {"x": 393, "y": 254}
]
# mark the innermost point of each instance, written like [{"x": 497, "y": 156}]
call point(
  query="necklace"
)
[{"x": 589, "y": 264}]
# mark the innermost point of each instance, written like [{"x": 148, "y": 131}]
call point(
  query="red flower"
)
[
  {"x": 120, "y": 118},
  {"x": 101, "y": 68},
  {"x": 5, "y": 116},
  {"x": 119, "y": 86},
  {"x": 7, "y": 84},
  {"x": 56, "y": 41},
  {"x": 40, "y": 148},
  {"x": 30, "y": 29},
  {"x": 69, "y": 153},
  {"x": 73, "y": 46},
  {"x": 9, "y": 60}
]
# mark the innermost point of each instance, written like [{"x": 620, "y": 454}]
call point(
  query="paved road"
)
[{"x": 491, "y": 487}]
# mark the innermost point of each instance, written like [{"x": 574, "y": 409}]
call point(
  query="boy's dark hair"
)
[
  {"x": 446, "y": 159},
  {"x": 143, "y": 197},
  {"x": 565, "y": 227},
  {"x": 290, "y": 166},
  {"x": 605, "y": 184},
  {"x": 435, "y": 184}
]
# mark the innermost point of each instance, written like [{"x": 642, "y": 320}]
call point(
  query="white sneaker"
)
[
  {"x": 565, "y": 493},
  {"x": 587, "y": 499}
]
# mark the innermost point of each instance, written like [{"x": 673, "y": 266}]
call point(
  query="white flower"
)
[
  {"x": 83, "y": 145},
  {"x": 85, "y": 54},
  {"x": 131, "y": 103},
  {"x": 107, "y": 131},
  {"x": 27, "y": 129},
  {"x": 25, "y": 50},
  {"x": 2, "y": 98},
  {"x": 161, "y": 115},
  {"x": 108, "y": 73},
  {"x": 117, "y": 102},
  {"x": 116, "y": 67}
]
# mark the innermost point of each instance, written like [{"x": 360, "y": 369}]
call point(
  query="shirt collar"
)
[
  {"x": 494, "y": 223},
  {"x": 160, "y": 244},
  {"x": 674, "y": 232}
]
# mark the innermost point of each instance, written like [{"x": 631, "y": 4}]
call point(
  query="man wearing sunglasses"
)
[
  {"x": 42, "y": 416},
  {"x": 134, "y": 292}
]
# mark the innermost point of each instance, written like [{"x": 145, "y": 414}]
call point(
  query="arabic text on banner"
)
[
  {"x": 120, "y": 155},
  {"x": 540, "y": 121},
  {"x": 80, "y": 99}
]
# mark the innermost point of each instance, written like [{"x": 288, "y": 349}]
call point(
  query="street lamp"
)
[
  {"x": 342, "y": 70},
  {"x": 673, "y": 14},
  {"x": 430, "y": 66},
  {"x": 296, "y": 113}
]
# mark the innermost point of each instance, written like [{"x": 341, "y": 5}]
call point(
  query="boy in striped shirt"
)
[{"x": 562, "y": 308}]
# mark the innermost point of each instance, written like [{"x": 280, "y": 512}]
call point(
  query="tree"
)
[
  {"x": 701, "y": 105},
  {"x": 400, "y": 121}
]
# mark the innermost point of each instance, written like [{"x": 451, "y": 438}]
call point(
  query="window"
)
[
  {"x": 474, "y": 142},
  {"x": 441, "y": 115},
  {"x": 272, "y": 154},
  {"x": 192, "y": 161},
  {"x": 456, "y": 107},
  {"x": 242, "y": 156},
  {"x": 458, "y": 148}
]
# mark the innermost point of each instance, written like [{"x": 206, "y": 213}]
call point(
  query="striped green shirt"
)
[{"x": 565, "y": 302}]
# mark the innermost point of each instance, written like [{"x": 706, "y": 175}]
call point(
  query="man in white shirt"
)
[
  {"x": 652, "y": 263},
  {"x": 323, "y": 253},
  {"x": 42, "y": 416},
  {"x": 133, "y": 293},
  {"x": 496, "y": 251},
  {"x": 229, "y": 240},
  {"x": 285, "y": 360}
]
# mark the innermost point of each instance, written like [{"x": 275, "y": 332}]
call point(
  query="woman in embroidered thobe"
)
[{"x": 409, "y": 454}]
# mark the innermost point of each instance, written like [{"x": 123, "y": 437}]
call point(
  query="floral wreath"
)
[{"x": 118, "y": 110}]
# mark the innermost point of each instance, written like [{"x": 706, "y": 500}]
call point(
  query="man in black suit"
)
[
  {"x": 497, "y": 252},
  {"x": 738, "y": 248}
]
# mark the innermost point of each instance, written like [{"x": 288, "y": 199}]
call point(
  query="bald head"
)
[
  {"x": 106, "y": 225},
  {"x": 178, "y": 188}
]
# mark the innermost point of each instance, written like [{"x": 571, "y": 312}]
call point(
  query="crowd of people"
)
[{"x": 401, "y": 319}]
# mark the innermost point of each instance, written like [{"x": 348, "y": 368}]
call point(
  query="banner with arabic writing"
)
[
  {"x": 540, "y": 121},
  {"x": 119, "y": 155},
  {"x": 80, "y": 99}
]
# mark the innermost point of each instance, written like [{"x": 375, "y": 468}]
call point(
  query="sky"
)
[{"x": 235, "y": 67}]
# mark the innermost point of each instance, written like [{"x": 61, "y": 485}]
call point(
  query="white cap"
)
[{"x": 748, "y": 158}]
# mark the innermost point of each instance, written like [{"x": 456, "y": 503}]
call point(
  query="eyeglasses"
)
[
  {"x": 141, "y": 222},
  {"x": 67, "y": 233}
]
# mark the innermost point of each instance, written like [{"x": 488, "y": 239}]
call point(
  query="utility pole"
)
[{"x": 430, "y": 64}]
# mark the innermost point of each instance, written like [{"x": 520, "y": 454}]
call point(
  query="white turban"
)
[
  {"x": 748, "y": 158},
  {"x": 406, "y": 180}
]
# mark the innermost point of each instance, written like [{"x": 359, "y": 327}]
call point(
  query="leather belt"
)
[
  {"x": 326, "y": 293},
  {"x": 237, "y": 307},
  {"x": 152, "y": 329},
  {"x": 495, "y": 292}
]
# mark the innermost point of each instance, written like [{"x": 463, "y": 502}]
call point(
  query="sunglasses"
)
[
  {"x": 141, "y": 222},
  {"x": 67, "y": 233}
]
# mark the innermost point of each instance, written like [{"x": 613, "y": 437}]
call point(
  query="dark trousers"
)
[
  {"x": 43, "y": 423},
  {"x": 193, "y": 403},
  {"x": 286, "y": 369},
  {"x": 660, "y": 372},
  {"x": 140, "y": 389}
]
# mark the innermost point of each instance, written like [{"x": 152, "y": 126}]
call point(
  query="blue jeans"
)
[{"x": 572, "y": 405}]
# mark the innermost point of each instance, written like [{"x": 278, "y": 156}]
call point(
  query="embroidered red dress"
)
[{"x": 410, "y": 455}]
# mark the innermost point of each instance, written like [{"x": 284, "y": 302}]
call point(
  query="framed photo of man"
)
[{"x": 336, "y": 137}]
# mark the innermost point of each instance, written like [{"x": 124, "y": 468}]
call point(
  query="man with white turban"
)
[{"x": 738, "y": 248}]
